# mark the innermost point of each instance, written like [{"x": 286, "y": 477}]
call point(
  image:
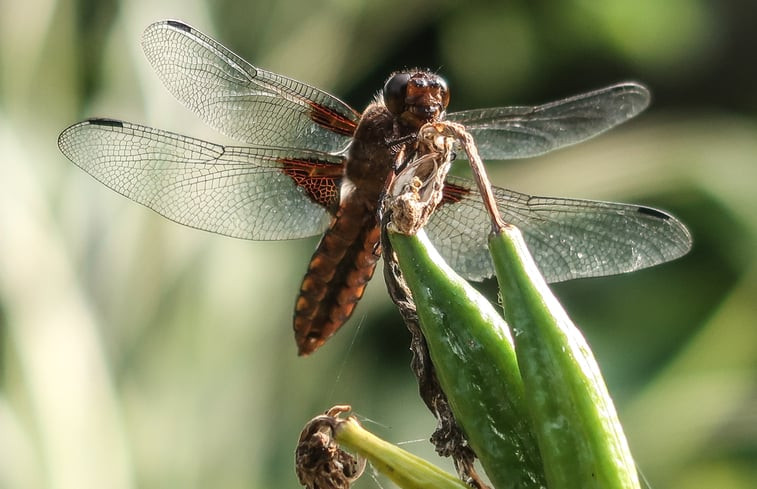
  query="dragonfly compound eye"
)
[
  {"x": 443, "y": 90},
  {"x": 395, "y": 90}
]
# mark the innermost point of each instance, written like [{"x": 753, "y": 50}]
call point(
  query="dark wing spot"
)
[
  {"x": 106, "y": 122},
  {"x": 179, "y": 25},
  {"x": 653, "y": 212}
]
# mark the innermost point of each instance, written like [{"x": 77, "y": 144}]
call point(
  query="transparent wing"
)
[
  {"x": 568, "y": 238},
  {"x": 244, "y": 102},
  {"x": 245, "y": 192},
  {"x": 519, "y": 132}
]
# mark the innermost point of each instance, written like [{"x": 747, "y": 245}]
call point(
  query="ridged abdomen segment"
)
[{"x": 339, "y": 270}]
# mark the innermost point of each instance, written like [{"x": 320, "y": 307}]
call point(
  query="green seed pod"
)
[
  {"x": 580, "y": 438},
  {"x": 472, "y": 352}
]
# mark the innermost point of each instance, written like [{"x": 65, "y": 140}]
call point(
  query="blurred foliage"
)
[{"x": 137, "y": 353}]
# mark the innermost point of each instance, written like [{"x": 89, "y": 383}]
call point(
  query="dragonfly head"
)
[{"x": 417, "y": 97}]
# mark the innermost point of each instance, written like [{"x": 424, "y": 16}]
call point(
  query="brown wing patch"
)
[
  {"x": 452, "y": 193},
  {"x": 320, "y": 179},
  {"x": 331, "y": 119}
]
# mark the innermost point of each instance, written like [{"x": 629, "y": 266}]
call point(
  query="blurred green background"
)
[{"x": 135, "y": 352}]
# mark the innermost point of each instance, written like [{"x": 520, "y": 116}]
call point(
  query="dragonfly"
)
[{"x": 310, "y": 164}]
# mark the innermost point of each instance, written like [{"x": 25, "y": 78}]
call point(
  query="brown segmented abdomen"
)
[{"x": 339, "y": 270}]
